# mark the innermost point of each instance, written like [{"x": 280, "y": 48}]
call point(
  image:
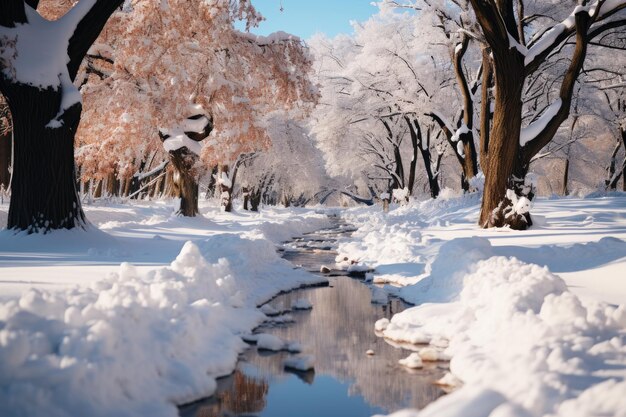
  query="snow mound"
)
[
  {"x": 516, "y": 332},
  {"x": 413, "y": 361},
  {"x": 270, "y": 342},
  {"x": 125, "y": 343}
]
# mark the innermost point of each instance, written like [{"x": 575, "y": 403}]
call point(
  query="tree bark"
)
[
  {"x": 564, "y": 190},
  {"x": 246, "y": 198},
  {"x": 255, "y": 199},
  {"x": 184, "y": 182},
  {"x": 503, "y": 163},
  {"x": 469, "y": 161},
  {"x": 5, "y": 160},
  {"x": 485, "y": 110},
  {"x": 226, "y": 192},
  {"x": 44, "y": 195},
  {"x": 623, "y": 134}
]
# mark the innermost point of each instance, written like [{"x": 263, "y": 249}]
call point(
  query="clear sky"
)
[{"x": 307, "y": 17}]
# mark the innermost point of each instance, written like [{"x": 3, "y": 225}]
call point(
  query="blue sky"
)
[{"x": 306, "y": 17}]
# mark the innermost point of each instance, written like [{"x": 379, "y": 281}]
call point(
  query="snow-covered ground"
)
[
  {"x": 139, "y": 313},
  {"x": 535, "y": 321}
]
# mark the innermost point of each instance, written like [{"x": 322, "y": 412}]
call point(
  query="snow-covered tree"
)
[
  {"x": 161, "y": 58},
  {"x": 290, "y": 171},
  {"x": 520, "y": 44},
  {"x": 375, "y": 89},
  {"x": 39, "y": 60}
]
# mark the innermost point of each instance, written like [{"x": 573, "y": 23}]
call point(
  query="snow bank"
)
[
  {"x": 143, "y": 339},
  {"x": 520, "y": 340},
  {"x": 517, "y": 334},
  {"x": 128, "y": 345}
]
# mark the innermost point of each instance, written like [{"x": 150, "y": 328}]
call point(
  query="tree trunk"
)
[
  {"x": 485, "y": 109},
  {"x": 246, "y": 198},
  {"x": 184, "y": 182},
  {"x": 5, "y": 160},
  {"x": 503, "y": 164},
  {"x": 564, "y": 190},
  {"x": 432, "y": 180},
  {"x": 469, "y": 160},
  {"x": 255, "y": 199},
  {"x": 44, "y": 195},
  {"x": 210, "y": 190},
  {"x": 623, "y": 134},
  {"x": 226, "y": 192}
]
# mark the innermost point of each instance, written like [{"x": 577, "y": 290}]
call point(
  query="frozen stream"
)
[{"x": 338, "y": 331}]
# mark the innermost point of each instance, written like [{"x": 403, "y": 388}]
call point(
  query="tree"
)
[
  {"x": 39, "y": 60},
  {"x": 510, "y": 147},
  {"x": 292, "y": 161},
  {"x": 158, "y": 61},
  {"x": 374, "y": 92},
  {"x": 452, "y": 20}
]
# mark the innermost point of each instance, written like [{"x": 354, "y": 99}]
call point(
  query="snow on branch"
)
[
  {"x": 531, "y": 132},
  {"x": 550, "y": 39}
]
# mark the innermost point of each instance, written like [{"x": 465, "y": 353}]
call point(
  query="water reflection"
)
[
  {"x": 337, "y": 332},
  {"x": 238, "y": 394}
]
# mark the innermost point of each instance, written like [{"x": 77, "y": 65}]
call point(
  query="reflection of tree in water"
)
[
  {"x": 242, "y": 396},
  {"x": 339, "y": 330}
]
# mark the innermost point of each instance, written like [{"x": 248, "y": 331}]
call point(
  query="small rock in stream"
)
[{"x": 325, "y": 270}]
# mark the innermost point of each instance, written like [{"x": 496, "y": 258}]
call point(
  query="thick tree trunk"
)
[
  {"x": 5, "y": 160},
  {"x": 184, "y": 182},
  {"x": 44, "y": 195},
  {"x": 503, "y": 164}
]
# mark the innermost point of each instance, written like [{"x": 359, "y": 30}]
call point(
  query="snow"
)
[
  {"x": 140, "y": 312},
  {"x": 302, "y": 304},
  {"x": 533, "y": 323},
  {"x": 38, "y": 57},
  {"x": 224, "y": 180},
  {"x": 178, "y": 139},
  {"x": 515, "y": 44},
  {"x": 275, "y": 37},
  {"x": 463, "y": 130},
  {"x": 413, "y": 361},
  {"x": 300, "y": 363},
  {"x": 270, "y": 342},
  {"x": 400, "y": 194},
  {"x": 534, "y": 129}
]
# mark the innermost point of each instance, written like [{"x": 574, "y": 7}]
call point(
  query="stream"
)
[{"x": 338, "y": 331}]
